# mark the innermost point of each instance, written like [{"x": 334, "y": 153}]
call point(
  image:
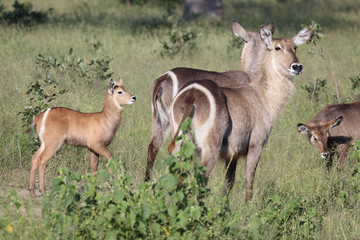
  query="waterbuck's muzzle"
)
[
  {"x": 132, "y": 100},
  {"x": 324, "y": 155},
  {"x": 295, "y": 69}
]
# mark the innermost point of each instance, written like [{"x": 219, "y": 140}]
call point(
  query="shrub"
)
[
  {"x": 316, "y": 90},
  {"x": 181, "y": 39},
  {"x": 111, "y": 207},
  {"x": 295, "y": 217},
  {"x": 24, "y": 14}
]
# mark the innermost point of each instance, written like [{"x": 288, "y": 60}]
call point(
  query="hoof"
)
[
  {"x": 42, "y": 192},
  {"x": 32, "y": 192}
]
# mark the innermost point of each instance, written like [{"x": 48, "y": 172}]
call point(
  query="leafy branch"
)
[{"x": 317, "y": 35}]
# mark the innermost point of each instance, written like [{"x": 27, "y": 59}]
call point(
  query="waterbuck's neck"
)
[
  {"x": 112, "y": 110},
  {"x": 274, "y": 86},
  {"x": 251, "y": 56}
]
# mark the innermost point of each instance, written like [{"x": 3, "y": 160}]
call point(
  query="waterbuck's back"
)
[{"x": 171, "y": 82}]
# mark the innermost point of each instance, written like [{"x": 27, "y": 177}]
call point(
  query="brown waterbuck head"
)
[
  {"x": 253, "y": 47},
  {"x": 118, "y": 94},
  {"x": 283, "y": 51},
  {"x": 318, "y": 133}
]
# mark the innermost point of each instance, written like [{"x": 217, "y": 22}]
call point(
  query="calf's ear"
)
[
  {"x": 336, "y": 122},
  {"x": 111, "y": 87},
  {"x": 302, "y": 128}
]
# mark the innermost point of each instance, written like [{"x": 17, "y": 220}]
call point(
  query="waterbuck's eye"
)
[
  {"x": 277, "y": 48},
  {"x": 120, "y": 92},
  {"x": 295, "y": 49},
  {"x": 316, "y": 139}
]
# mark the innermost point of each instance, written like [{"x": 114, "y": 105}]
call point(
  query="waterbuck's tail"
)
[
  {"x": 33, "y": 124},
  {"x": 156, "y": 101},
  {"x": 188, "y": 110}
]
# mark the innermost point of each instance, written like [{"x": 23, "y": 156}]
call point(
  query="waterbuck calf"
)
[
  {"x": 92, "y": 130},
  {"x": 232, "y": 122},
  {"x": 166, "y": 86},
  {"x": 335, "y": 127}
]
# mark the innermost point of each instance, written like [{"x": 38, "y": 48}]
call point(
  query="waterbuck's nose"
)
[
  {"x": 297, "y": 67},
  {"x": 324, "y": 155},
  {"x": 133, "y": 98}
]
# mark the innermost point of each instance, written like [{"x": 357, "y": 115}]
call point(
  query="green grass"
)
[{"x": 290, "y": 167}]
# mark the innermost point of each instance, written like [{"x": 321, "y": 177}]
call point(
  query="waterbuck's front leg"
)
[
  {"x": 341, "y": 151},
  {"x": 94, "y": 161},
  {"x": 100, "y": 149},
  {"x": 252, "y": 160}
]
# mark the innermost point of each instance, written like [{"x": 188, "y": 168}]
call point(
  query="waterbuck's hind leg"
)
[
  {"x": 34, "y": 169},
  {"x": 43, "y": 158},
  {"x": 94, "y": 161},
  {"x": 230, "y": 166},
  {"x": 160, "y": 131}
]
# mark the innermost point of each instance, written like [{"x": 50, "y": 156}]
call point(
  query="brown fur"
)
[
  {"x": 163, "y": 92},
  {"x": 248, "y": 111},
  {"x": 92, "y": 130},
  {"x": 335, "y": 127}
]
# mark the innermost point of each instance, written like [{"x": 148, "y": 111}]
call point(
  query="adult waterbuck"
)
[
  {"x": 335, "y": 127},
  {"x": 92, "y": 130},
  {"x": 232, "y": 122},
  {"x": 166, "y": 86}
]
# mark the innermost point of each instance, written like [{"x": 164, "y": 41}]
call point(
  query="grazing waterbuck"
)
[
  {"x": 166, "y": 86},
  {"x": 335, "y": 127},
  {"x": 95, "y": 131},
  {"x": 232, "y": 122}
]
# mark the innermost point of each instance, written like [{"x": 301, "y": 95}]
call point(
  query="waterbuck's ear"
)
[
  {"x": 266, "y": 36},
  {"x": 119, "y": 82},
  {"x": 302, "y": 37},
  {"x": 336, "y": 122},
  {"x": 271, "y": 27},
  {"x": 239, "y": 31},
  {"x": 111, "y": 87},
  {"x": 302, "y": 128}
]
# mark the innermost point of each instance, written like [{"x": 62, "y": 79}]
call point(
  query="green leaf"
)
[
  {"x": 172, "y": 210},
  {"x": 68, "y": 200},
  {"x": 195, "y": 212},
  {"x": 186, "y": 125},
  {"x": 76, "y": 176},
  {"x": 142, "y": 228},
  {"x": 131, "y": 219},
  {"x": 156, "y": 228},
  {"x": 56, "y": 183},
  {"x": 146, "y": 211},
  {"x": 255, "y": 227},
  {"x": 90, "y": 191},
  {"x": 172, "y": 182},
  {"x": 188, "y": 149},
  {"x": 104, "y": 174}
]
